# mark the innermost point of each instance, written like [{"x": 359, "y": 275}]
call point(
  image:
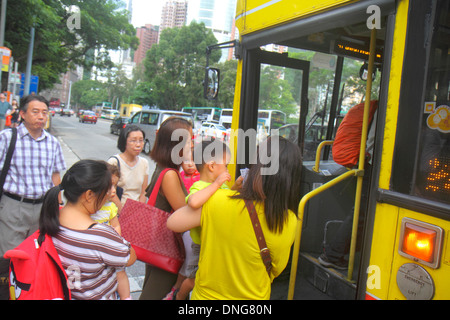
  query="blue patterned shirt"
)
[{"x": 33, "y": 162}]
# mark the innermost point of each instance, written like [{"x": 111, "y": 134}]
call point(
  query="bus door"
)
[{"x": 264, "y": 89}]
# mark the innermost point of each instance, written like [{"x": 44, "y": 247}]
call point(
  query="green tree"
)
[
  {"x": 86, "y": 93},
  {"x": 174, "y": 68},
  {"x": 59, "y": 45},
  {"x": 275, "y": 92}
]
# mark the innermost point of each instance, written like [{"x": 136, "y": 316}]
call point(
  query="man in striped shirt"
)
[{"x": 35, "y": 167}]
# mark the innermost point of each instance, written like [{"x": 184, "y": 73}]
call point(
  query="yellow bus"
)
[{"x": 330, "y": 55}]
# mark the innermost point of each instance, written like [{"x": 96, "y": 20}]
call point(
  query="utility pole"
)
[
  {"x": 26, "y": 89},
  {"x": 70, "y": 92},
  {"x": 2, "y": 35}
]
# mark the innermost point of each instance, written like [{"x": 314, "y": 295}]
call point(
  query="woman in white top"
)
[{"x": 133, "y": 168}]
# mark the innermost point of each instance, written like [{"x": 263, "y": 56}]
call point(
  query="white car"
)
[{"x": 210, "y": 129}]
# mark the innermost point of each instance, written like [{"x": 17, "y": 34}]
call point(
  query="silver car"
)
[{"x": 150, "y": 121}]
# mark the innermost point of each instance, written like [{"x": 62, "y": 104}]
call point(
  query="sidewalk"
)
[{"x": 69, "y": 156}]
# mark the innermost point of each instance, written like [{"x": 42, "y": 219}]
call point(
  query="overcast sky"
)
[{"x": 146, "y": 12}]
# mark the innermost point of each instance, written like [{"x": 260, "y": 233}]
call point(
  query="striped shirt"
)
[
  {"x": 91, "y": 259},
  {"x": 33, "y": 162}
]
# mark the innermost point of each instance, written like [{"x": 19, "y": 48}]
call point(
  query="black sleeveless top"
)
[{"x": 161, "y": 201}]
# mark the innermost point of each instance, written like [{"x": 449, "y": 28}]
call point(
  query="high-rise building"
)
[
  {"x": 173, "y": 15},
  {"x": 147, "y": 35},
  {"x": 217, "y": 15}
]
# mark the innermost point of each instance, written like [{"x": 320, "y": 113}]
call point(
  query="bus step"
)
[{"x": 326, "y": 280}]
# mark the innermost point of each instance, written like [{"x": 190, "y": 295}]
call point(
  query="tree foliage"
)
[
  {"x": 174, "y": 68},
  {"x": 59, "y": 45}
]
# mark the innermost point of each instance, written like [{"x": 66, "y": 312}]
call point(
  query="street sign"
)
[
  {"x": 6, "y": 56},
  {"x": 34, "y": 82}
]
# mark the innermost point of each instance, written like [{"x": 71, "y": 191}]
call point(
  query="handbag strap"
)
[
  {"x": 264, "y": 251},
  {"x": 118, "y": 162},
  {"x": 8, "y": 158},
  {"x": 154, "y": 194}
]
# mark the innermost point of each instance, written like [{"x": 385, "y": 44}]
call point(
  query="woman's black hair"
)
[
  {"x": 280, "y": 192},
  {"x": 82, "y": 176},
  {"x": 165, "y": 143},
  {"x": 122, "y": 141}
]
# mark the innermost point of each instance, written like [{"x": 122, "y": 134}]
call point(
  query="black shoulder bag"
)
[{"x": 6, "y": 165}]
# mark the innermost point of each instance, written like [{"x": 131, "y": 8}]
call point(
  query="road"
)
[{"x": 94, "y": 141}]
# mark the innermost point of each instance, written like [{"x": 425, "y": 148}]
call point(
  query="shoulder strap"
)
[
  {"x": 118, "y": 162},
  {"x": 264, "y": 251},
  {"x": 8, "y": 158},
  {"x": 154, "y": 194}
]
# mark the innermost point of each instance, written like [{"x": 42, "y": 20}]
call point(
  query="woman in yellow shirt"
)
[{"x": 230, "y": 264}]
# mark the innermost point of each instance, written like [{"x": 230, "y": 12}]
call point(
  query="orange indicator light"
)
[{"x": 419, "y": 242}]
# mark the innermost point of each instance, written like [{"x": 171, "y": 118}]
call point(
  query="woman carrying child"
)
[
  {"x": 91, "y": 253},
  {"x": 214, "y": 157},
  {"x": 230, "y": 265},
  {"x": 171, "y": 196}
]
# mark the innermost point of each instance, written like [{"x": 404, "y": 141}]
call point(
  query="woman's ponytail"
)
[{"x": 49, "y": 218}]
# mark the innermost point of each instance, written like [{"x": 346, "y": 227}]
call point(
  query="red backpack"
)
[{"x": 35, "y": 271}]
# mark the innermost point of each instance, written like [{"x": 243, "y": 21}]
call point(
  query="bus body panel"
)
[
  {"x": 254, "y": 15},
  {"x": 385, "y": 254},
  {"x": 235, "y": 120},
  {"x": 382, "y": 243},
  {"x": 395, "y": 78}
]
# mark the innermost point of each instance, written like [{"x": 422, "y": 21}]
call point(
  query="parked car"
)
[
  {"x": 150, "y": 121},
  {"x": 215, "y": 130},
  {"x": 88, "y": 116},
  {"x": 118, "y": 124},
  {"x": 66, "y": 112}
]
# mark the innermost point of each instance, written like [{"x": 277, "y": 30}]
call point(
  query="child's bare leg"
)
[{"x": 185, "y": 288}]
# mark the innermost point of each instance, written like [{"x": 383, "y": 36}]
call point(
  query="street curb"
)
[{"x": 69, "y": 156}]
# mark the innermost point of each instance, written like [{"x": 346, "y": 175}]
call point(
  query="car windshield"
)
[
  {"x": 221, "y": 127},
  {"x": 89, "y": 113}
]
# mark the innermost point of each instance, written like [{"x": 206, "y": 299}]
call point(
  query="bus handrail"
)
[
  {"x": 301, "y": 210},
  {"x": 318, "y": 152}
]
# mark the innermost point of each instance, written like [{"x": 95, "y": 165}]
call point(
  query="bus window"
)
[
  {"x": 203, "y": 113},
  {"x": 433, "y": 168},
  {"x": 226, "y": 116},
  {"x": 277, "y": 100}
]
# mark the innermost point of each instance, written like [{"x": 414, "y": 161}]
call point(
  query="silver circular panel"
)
[{"x": 415, "y": 282}]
